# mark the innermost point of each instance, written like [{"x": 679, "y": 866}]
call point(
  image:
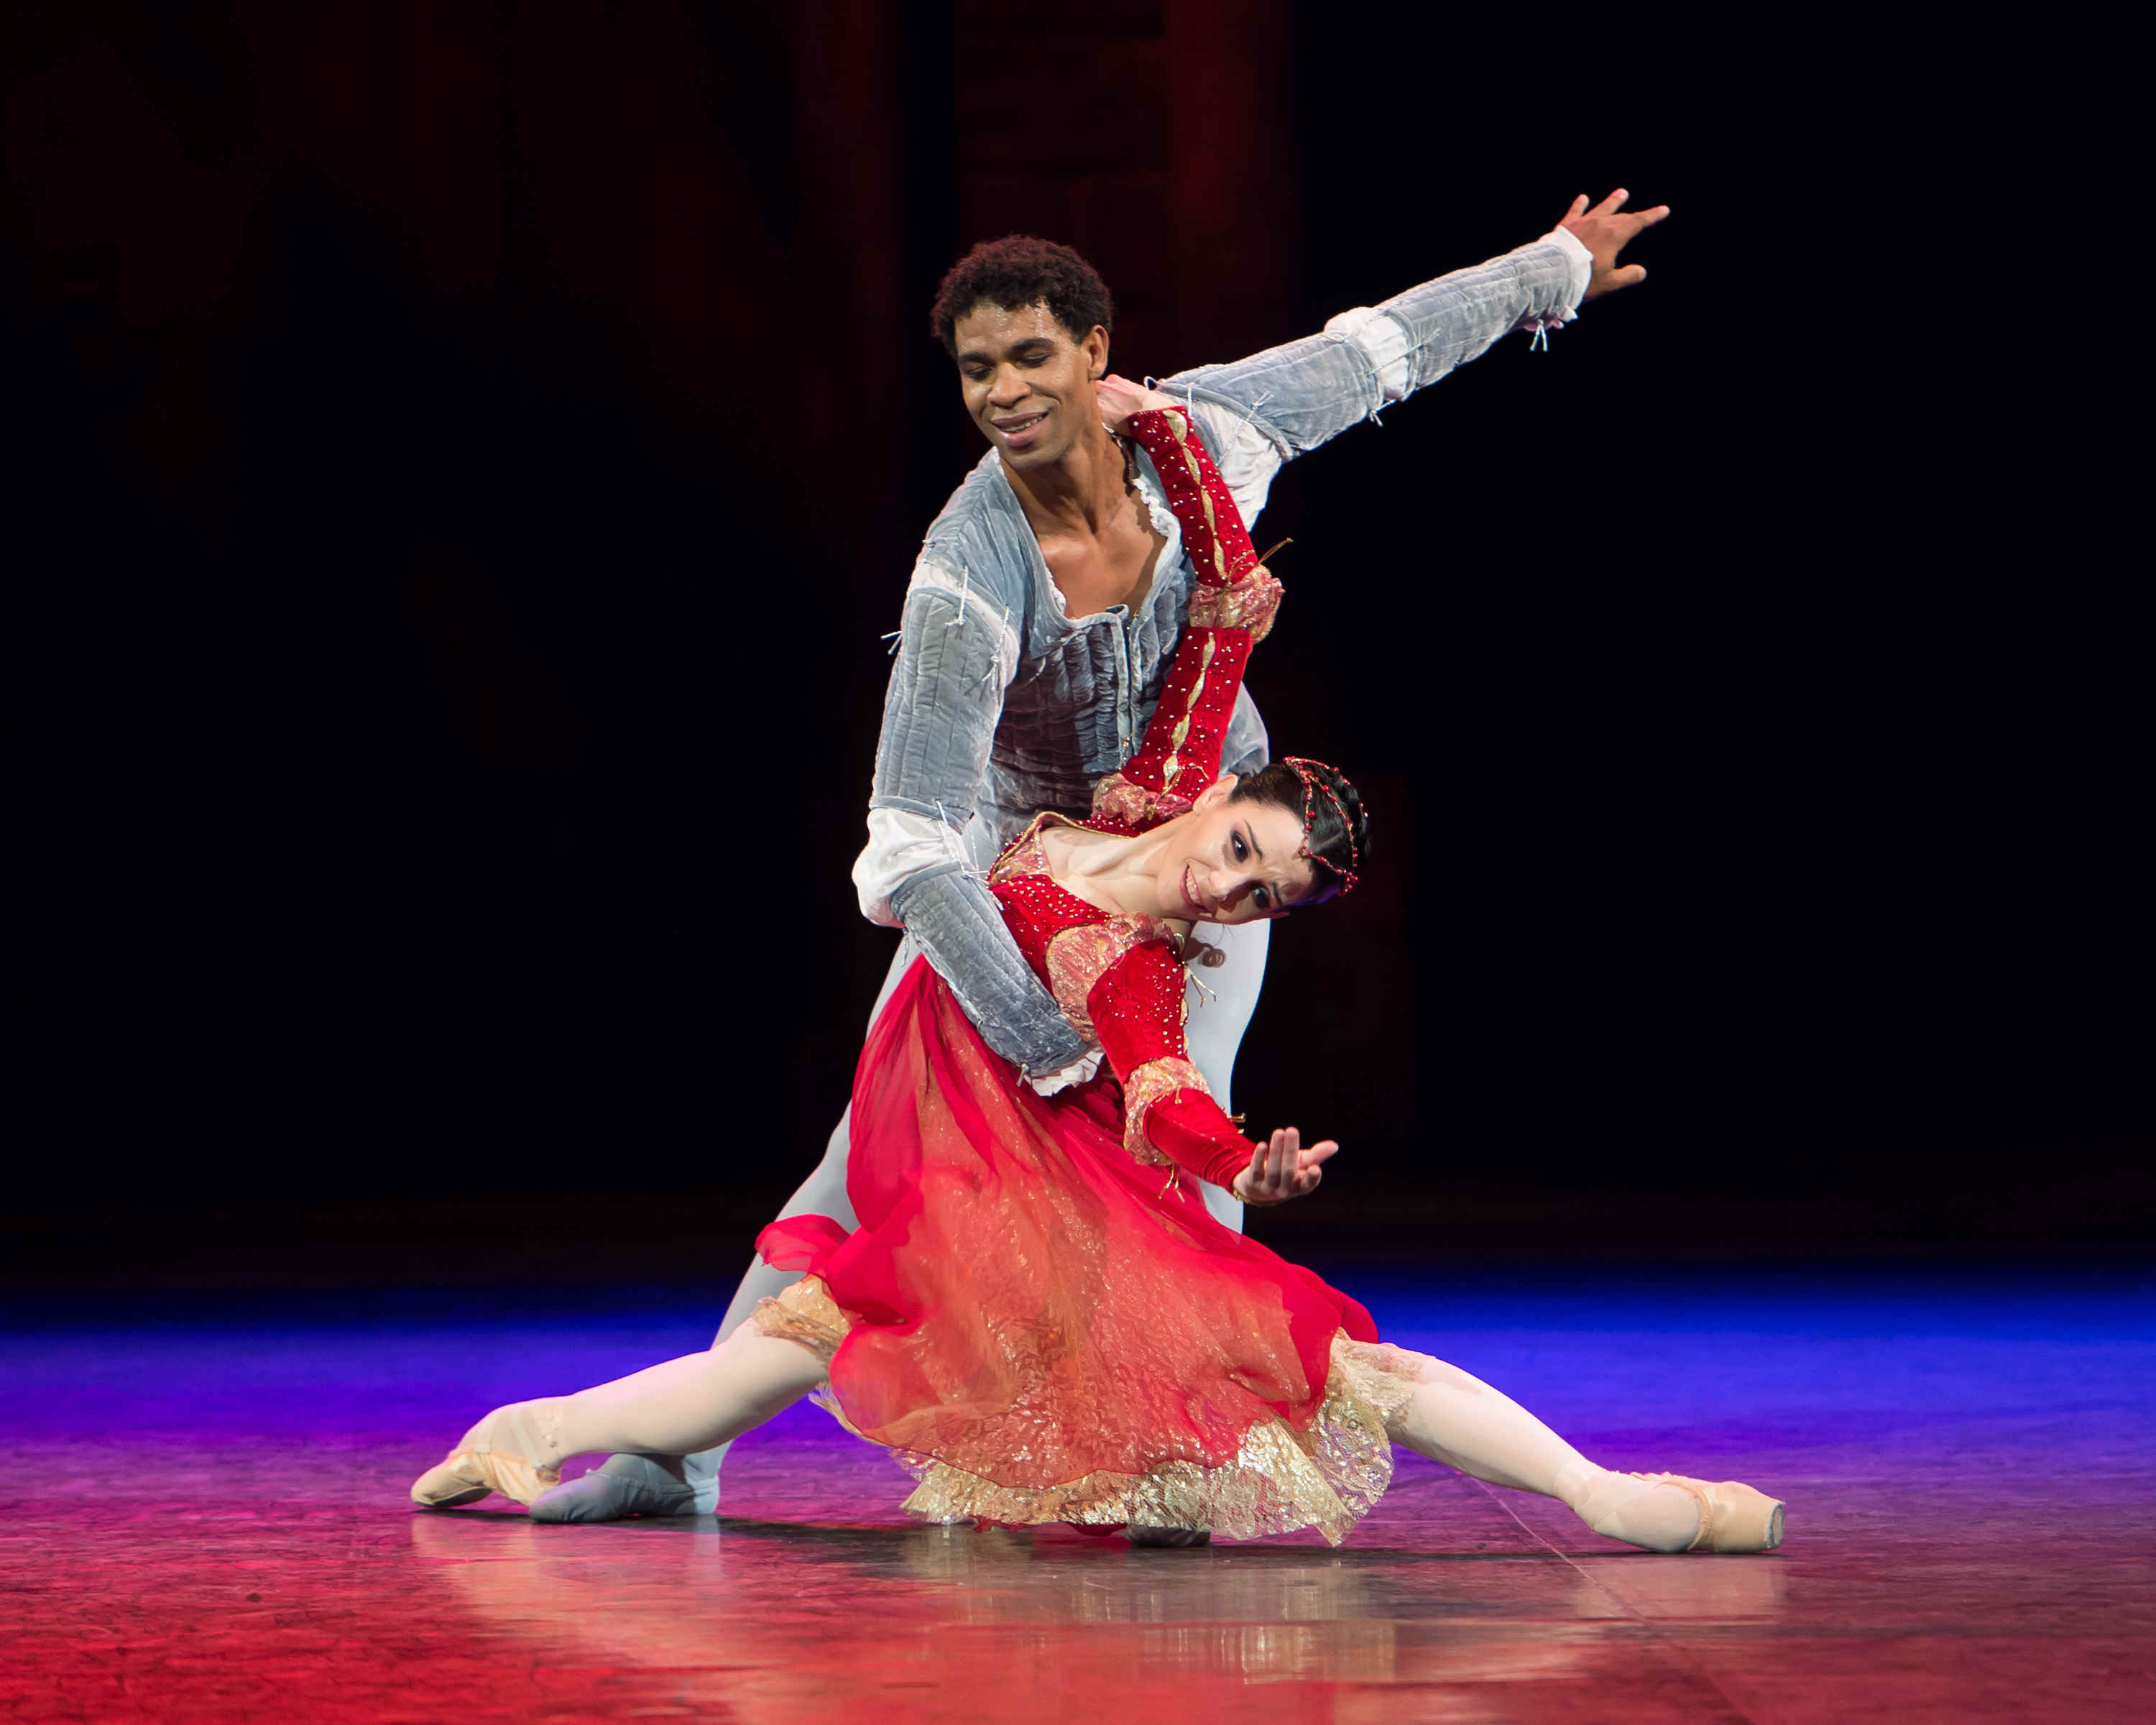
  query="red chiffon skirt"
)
[{"x": 1046, "y": 1328}]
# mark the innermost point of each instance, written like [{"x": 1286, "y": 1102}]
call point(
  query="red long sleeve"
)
[
  {"x": 1136, "y": 1009},
  {"x": 1187, "y": 1126},
  {"x": 1231, "y": 608},
  {"x": 1214, "y": 530}
]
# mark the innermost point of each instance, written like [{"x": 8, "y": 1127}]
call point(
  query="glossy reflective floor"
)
[{"x": 205, "y": 1520}]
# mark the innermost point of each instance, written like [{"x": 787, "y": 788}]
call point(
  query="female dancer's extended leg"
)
[
  {"x": 692, "y": 1402},
  {"x": 1457, "y": 1418},
  {"x": 676, "y": 1409}
]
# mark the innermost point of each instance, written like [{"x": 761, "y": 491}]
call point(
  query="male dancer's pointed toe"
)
[
  {"x": 1733, "y": 1516},
  {"x": 620, "y": 1486}
]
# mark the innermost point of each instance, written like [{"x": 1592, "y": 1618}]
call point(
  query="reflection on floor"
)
[{"x": 205, "y": 1522}]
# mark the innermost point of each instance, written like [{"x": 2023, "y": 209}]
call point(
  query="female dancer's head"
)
[{"x": 1293, "y": 834}]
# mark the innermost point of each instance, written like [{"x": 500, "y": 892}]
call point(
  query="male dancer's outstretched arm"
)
[{"x": 1268, "y": 408}]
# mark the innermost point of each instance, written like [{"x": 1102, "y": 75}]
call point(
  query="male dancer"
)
[{"x": 1040, "y": 624}]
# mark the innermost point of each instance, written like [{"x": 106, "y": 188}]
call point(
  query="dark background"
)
[{"x": 464, "y": 459}]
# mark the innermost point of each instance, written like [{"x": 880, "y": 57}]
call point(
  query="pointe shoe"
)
[
  {"x": 1732, "y": 1516},
  {"x": 464, "y": 1476},
  {"x": 488, "y": 1460}
]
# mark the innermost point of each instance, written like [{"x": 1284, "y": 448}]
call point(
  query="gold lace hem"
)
[{"x": 1280, "y": 1481}]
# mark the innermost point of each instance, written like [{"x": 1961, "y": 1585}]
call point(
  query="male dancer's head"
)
[{"x": 1027, "y": 320}]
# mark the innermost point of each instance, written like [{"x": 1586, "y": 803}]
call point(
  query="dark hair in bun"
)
[{"x": 1342, "y": 845}]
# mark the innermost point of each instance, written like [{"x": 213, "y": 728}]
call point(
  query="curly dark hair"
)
[
  {"x": 1020, "y": 271},
  {"x": 1328, "y": 835}
]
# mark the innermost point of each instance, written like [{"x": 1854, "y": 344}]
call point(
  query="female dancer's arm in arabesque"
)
[
  {"x": 1231, "y": 605},
  {"x": 1137, "y": 1006}
]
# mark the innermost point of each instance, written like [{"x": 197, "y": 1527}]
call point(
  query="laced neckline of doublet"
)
[{"x": 1140, "y": 473}]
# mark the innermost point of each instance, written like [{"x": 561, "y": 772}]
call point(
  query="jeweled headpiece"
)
[{"x": 1312, "y": 786}]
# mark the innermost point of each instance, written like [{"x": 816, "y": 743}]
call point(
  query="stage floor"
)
[{"x": 205, "y": 1520}]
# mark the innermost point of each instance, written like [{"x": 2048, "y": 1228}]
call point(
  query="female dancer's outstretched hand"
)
[
  {"x": 1281, "y": 1168},
  {"x": 1119, "y": 398}
]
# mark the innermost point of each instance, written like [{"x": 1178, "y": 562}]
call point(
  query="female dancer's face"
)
[
  {"x": 1232, "y": 862},
  {"x": 1027, "y": 384}
]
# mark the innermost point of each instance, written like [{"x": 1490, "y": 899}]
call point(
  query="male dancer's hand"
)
[
  {"x": 1605, "y": 232},
  {"x": 1119, "y": 398},
  {"x": 1281, "y": 1168}
]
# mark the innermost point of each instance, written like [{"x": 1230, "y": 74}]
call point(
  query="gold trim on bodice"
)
[
  {"x": 1078, "y": 957},
  {"x": 1025, "y": 855}
]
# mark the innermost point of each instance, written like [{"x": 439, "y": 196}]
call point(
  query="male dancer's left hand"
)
[
  {"x": 1119, "y": 398},
  {"x": 1605, "y": 232}
]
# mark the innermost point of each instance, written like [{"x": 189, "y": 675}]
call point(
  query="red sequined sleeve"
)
[
  {"x": 1168, "y": 1114},
  {"x": 1231, "y": 609}
]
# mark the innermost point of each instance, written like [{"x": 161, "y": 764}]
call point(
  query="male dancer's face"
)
[{"x": 1027, "y": 384}]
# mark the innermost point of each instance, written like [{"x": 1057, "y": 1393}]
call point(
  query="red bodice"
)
[{"x": 1121, "y": 980}]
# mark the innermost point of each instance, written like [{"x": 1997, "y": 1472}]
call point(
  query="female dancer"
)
[{"x": 1037, "y": 1315}]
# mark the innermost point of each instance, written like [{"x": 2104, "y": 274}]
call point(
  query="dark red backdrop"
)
[{"x": 467, "y": 458}]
